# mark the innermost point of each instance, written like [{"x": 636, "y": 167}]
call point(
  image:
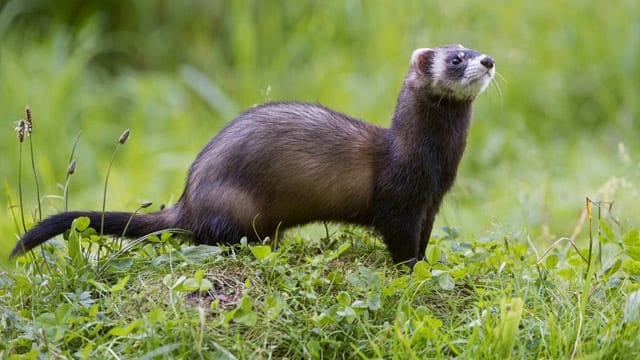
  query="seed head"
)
[
  {"x": 72, "y": 167},
  {"x": 125, "y": 136},
  {"x": 20, "y": 129},
  {"x": 29, "y": 128},
  {"x": 146, "y": 204}
]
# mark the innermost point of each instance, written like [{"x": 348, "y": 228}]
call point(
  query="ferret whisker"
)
[
  {"x": 499, "y": 76},
  {"x": 496, "y": 86}
]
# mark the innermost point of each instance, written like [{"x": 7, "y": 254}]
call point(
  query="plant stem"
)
[
  {"x": 126, "y": 227},
  {"x": 104, "y": 197},
  {"x": 11, "y": 206},
  {"x": 35, "y": 176},
  {"x": 123, "y": 139},
  {"x": 24, "y": 223},
  {"x": 70, "y": 172},
  {"x": 65, "y": 193}
]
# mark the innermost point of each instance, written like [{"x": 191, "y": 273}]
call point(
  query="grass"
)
[
  {"x": 508, "y": 278},
  {"x": 333, "y": 298}
]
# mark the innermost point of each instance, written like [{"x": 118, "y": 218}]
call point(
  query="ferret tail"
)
[{"x": 114, "y": 224}]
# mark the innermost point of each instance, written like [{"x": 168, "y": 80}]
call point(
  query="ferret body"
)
[{"x": 283, "y": 164}]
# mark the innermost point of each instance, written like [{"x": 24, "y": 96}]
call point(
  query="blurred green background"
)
[{"x": 559, "y": 124}]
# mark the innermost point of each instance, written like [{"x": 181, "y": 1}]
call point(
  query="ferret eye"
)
[{"x": 456, "y": 61}]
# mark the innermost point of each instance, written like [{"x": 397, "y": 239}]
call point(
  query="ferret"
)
[{"x": 283, "y": 164}]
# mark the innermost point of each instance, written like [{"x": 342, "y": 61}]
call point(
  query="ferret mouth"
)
[
  {"x": 485, "y": 76},
  {"x": 482, "y": 78}
]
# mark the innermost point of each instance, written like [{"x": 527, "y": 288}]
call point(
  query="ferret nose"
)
[{"x": 487, "y": 62}]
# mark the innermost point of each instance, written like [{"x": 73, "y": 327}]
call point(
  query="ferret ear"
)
[{"x": 421, "y": 60}]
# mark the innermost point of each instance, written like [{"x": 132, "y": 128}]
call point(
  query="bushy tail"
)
[{"x": 114, "y": 224}]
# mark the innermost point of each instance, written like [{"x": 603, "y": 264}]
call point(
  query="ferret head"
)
[{"x": 451, "y": 71}]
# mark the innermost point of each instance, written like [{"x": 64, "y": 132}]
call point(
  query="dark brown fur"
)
[{"x": 284, "y": 164}]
